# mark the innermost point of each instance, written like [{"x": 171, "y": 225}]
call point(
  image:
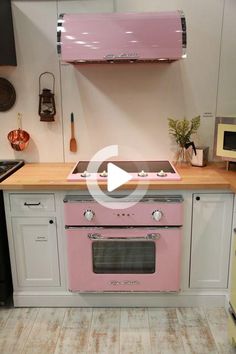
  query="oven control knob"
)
[
  {"x": 89, "y": 214},
  {"x": 157, "y": 215}
]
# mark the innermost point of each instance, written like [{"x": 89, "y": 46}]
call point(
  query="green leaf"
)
[{"x": 182, "y": 130}]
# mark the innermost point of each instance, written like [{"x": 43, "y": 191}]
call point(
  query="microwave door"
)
[
  {"x": 229, "y": 142},
  {"x": 225, "y": 142}
]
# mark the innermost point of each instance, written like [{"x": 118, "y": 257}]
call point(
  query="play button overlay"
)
[{"x": 116, "y": 176}]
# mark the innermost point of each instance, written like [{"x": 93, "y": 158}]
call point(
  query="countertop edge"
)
[{"x": 53, "y": 176}]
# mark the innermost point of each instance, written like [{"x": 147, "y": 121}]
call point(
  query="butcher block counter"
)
[{"x": 53, "y": 176}]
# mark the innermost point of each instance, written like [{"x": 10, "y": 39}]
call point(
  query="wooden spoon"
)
[{"x": 73, "y": 144}]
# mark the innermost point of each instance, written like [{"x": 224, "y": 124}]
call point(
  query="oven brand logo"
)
[
  {"x": 124, "y": 282},
  {"x": 115, "y": 177}
]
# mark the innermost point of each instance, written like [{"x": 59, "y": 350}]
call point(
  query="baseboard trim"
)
[{"x": 54, "y": 299}]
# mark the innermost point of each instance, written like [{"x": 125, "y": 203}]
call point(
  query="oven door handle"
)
[{"x": 152, "y": 236}]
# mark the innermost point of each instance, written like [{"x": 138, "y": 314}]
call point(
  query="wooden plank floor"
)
[{"x": 113, "y": 331}]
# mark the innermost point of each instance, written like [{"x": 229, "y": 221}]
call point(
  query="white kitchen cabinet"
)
[
  {"x": 211, "y": 237},
  {"x": 36, "y": 251},
  {"x": 232, "y": 298},
  {"x": 35, "y": 243}
]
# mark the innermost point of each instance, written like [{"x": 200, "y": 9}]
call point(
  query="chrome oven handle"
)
[{"x": 152, "y": 236}]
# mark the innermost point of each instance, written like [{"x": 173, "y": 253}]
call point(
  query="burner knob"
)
[
  {"x": 161, "y": 174},
  {"x": 89, "y": 214},
  {"x": 157, "y": 215},
  {"x": 142, "y": 174},
  {"x": 104, "y": 174},
  {"x": 85, "y": 174}
]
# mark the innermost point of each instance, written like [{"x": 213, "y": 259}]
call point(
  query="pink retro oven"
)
[{"x": 133, "y": 249}]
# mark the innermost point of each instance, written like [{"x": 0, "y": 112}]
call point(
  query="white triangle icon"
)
[{"x": 116, "y": 177}]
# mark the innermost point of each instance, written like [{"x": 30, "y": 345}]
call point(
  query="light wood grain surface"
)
[
  {"x": 53, "y": 176},
  {"x": 74, "y": 334},
  {"x": 114, "y": 331},
  {"x": 15, "y": 332},
  {"x": 134, "y": 331}
]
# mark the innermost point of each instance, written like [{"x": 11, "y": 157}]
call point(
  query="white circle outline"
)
[{"x": 97, "y": 193}]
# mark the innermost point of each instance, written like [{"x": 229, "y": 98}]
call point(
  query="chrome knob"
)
[
  {"x": 89, "y": 214},
  {"x": 142, "y": 174},
  {"x": 104, "y": 174},
  {"x": 157, "y": 215},
  {"x": 85, "y": 174},
  {"x": 161, "y": 174}
]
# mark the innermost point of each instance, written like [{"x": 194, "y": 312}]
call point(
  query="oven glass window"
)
[
  {"x": 124, "y": 257},
  {"x": 229, "y": 141}
]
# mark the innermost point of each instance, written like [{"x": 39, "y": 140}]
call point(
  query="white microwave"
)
[{"x": 225, "y": 138}]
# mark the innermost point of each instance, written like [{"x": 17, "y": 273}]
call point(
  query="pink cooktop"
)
[{"x": 139, "y": 170}]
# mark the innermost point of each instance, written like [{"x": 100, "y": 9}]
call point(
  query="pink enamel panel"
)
[
  {"x": 139, "y": 214},
  {"x": 167, "y": 262},
  {"x": 107, "y": 36}
]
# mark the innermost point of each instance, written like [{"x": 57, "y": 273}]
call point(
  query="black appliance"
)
[
  {"x": 7, "y": 167},
  {"x": 7, "y": 41}
]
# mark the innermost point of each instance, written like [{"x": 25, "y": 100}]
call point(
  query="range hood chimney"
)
[{"x": 121, "y": 37}]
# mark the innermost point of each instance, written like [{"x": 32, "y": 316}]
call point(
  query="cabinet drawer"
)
[{"x": 32, "y": 203}]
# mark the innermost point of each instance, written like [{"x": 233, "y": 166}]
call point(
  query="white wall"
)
[
  {"x": 126, "y": 105},
  {"x": 34, "y": 25}
]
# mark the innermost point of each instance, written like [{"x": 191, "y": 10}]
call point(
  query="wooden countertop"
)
[{"x": 52, "y": 176}]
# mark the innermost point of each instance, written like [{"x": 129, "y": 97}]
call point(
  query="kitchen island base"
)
[{"x": 37, "y": 242}]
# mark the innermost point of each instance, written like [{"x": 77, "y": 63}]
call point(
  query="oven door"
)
[{"x": 123, "y": 259}]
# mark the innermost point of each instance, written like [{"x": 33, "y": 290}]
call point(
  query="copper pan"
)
[{"x": 18, "y": 138}]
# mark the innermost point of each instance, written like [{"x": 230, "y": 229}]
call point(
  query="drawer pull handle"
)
[
  {"x": 51, "y": 221},
  {"x": 235, "y": 230},
  {"x": 32, "y": 204}
]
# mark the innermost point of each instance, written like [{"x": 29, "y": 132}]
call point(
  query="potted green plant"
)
[{"x": 182, "y": 130}]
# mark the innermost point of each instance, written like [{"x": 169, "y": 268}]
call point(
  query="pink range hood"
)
[{"x": 121, "y": 37}]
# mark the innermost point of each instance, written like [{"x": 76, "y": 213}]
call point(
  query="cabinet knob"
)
[
  {"x": 235, "y": 230},
  {"x": 198, "y": 198},
  {"x": 51, "y": 221}
]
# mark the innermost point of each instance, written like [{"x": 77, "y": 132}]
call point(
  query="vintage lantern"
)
[{"x": 47, "y": 108}]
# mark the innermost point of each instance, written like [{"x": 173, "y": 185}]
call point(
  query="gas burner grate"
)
[{"x": 7, "y": 167}]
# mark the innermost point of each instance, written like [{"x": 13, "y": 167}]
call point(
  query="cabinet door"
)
[
  {"x": 211, "y": 234},
  {"x": 36, "y": 251},
  {"x": 233, "y": 269}
]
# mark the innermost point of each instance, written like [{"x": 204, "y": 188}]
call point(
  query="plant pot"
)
[{"x": 183, "y": 156}]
